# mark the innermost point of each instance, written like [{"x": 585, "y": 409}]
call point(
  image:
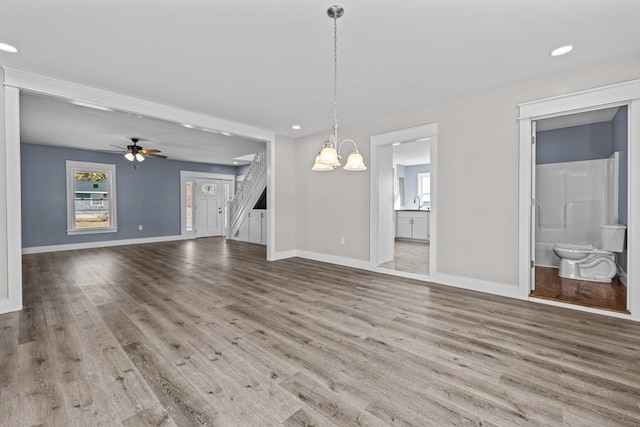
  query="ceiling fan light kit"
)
[
  {"x": 136, "y": 152},
  {"x": 330, "y": 154}
]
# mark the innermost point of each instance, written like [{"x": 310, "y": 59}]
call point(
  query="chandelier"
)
[{"x": 330, "y": 154}]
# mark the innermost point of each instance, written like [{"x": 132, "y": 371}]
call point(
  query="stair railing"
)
[{"x": 247, "y": 191}]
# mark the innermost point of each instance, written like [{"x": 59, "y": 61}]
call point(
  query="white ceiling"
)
[
  {"x": 51, "y": 121},
  {"x": 268, "y": 64},
  {"x": 411, "y": 153}
]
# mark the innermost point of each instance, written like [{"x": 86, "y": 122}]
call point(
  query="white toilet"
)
[{"x": 583, "y": 261}]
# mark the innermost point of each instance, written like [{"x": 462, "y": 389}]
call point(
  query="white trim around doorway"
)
[
  {"x": 386, "y": 139},
  {"x": 16, "y": 81},
  {"x": 13, "y": 272},
  {"x": 184, "y": 176},
  {"x": 627, "y": 93}
]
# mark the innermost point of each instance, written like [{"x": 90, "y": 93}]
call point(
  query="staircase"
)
[{"x": 249, "y": 191}]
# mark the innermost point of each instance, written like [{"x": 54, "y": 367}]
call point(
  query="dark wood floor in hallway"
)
[{"x": 206, "y": 332}]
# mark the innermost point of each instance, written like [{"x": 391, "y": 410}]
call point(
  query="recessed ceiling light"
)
[
  {"x": 296, "y": 127},
  {"x": 8, "y": 48},
  {"x": 235, "y": 163},
  {"x": 187, "y": 125},
  {"x": 562, "y": 50},
  {"x": 424, "y": 139},
  {"x": 395, "y": 144},
  {"x": 226, "y": 133}
]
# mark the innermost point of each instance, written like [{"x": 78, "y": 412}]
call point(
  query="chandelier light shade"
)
[
  {"x": 355, "y": 162},
  {"x": 330, "y": 153},
  {"x": 130, "y": 156},
  {"x": 319, "y": 167}
]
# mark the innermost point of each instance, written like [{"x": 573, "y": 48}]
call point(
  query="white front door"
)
[{"x": 209, "y": 204}]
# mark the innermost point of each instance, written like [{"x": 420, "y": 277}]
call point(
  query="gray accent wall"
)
[
  {"x": 148, "y": 195},
  {"x": 576, "y": 143}
]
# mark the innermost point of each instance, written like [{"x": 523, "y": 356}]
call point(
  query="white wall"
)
[
  {"x": 285, "y": 196},
  {"x": 477, "y": 178},
  {"x": 332, "y": 204},
  {"x": 4, "y": 283}
]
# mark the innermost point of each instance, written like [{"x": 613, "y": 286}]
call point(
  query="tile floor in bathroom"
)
[{"x": 608, "y": 296}]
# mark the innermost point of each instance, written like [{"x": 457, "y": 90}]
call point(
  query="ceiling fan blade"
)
[
  {"x": 149, "y": 151},
  {"x": 118, "y": 147},
  {"x": 157, "y": 156},
  {"x": 111, "y": 151}
]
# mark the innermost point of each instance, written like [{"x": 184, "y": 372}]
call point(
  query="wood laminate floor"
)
[
  {"x": 206, "y": 332},
  {"x": 608, "y": 296},
  {"x": 409, "y": 256}
]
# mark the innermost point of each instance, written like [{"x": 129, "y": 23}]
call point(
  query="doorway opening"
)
[
  {"x": 580, "y": 176},
  {"x": 403, "y": 213},
  {"x": 203, "y": 201}
]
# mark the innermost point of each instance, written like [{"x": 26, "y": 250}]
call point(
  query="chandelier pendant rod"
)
[
  {"x": 329, "y": 156},
  {"x": 335, "y": 12}
]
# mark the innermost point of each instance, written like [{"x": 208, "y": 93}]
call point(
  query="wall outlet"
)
[
  {"x": 140, "y": 227},
  {"x": 342, "y": 240}
]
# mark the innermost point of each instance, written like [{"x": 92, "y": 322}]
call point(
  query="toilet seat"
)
[
  {"x": 576, "y": 246},
  {"x": 585, "y": 248},
  {"x": 583, "y": 261}
]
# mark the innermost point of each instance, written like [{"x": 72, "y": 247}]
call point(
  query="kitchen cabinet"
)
[{"x": 412, "y": 225}]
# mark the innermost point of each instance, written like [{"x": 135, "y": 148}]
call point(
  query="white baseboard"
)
[
  {"x": 478, "y": 285},
  {"x": 400, "y": 273},
  {"x": 9, "y": 305},
  {"x": 547, "y": 266},
  {"x": 283, "y": 255},
  {"x": 332, "y": 259},
  {"x": 237, "y": 239},
  {"x": 103, "y": 244},
  {"x": 495, "y": 288}
]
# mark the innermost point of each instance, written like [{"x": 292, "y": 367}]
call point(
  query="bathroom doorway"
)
[
  {"x": 403, "y": 202},
  {"x": 579, "y": 184}
]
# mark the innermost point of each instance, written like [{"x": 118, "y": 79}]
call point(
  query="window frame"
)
[
  {"x": 110, "y": 170},
  {"x": 421, "y": 192}
]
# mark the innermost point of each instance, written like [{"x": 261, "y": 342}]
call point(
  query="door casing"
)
[{"x": 627, "y": 93}]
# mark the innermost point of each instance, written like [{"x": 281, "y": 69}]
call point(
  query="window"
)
[
  {"x": 188, "y": 206},
  {"x": 424, "y": 188},
  {"x": 91, "y": 198},
  {"x": 209, "y": 189}
]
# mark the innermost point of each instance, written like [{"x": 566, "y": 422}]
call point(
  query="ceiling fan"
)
[{"x": 136, "y": 152}]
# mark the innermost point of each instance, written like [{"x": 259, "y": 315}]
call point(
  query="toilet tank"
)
[{"x": 612, "y": 237}]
